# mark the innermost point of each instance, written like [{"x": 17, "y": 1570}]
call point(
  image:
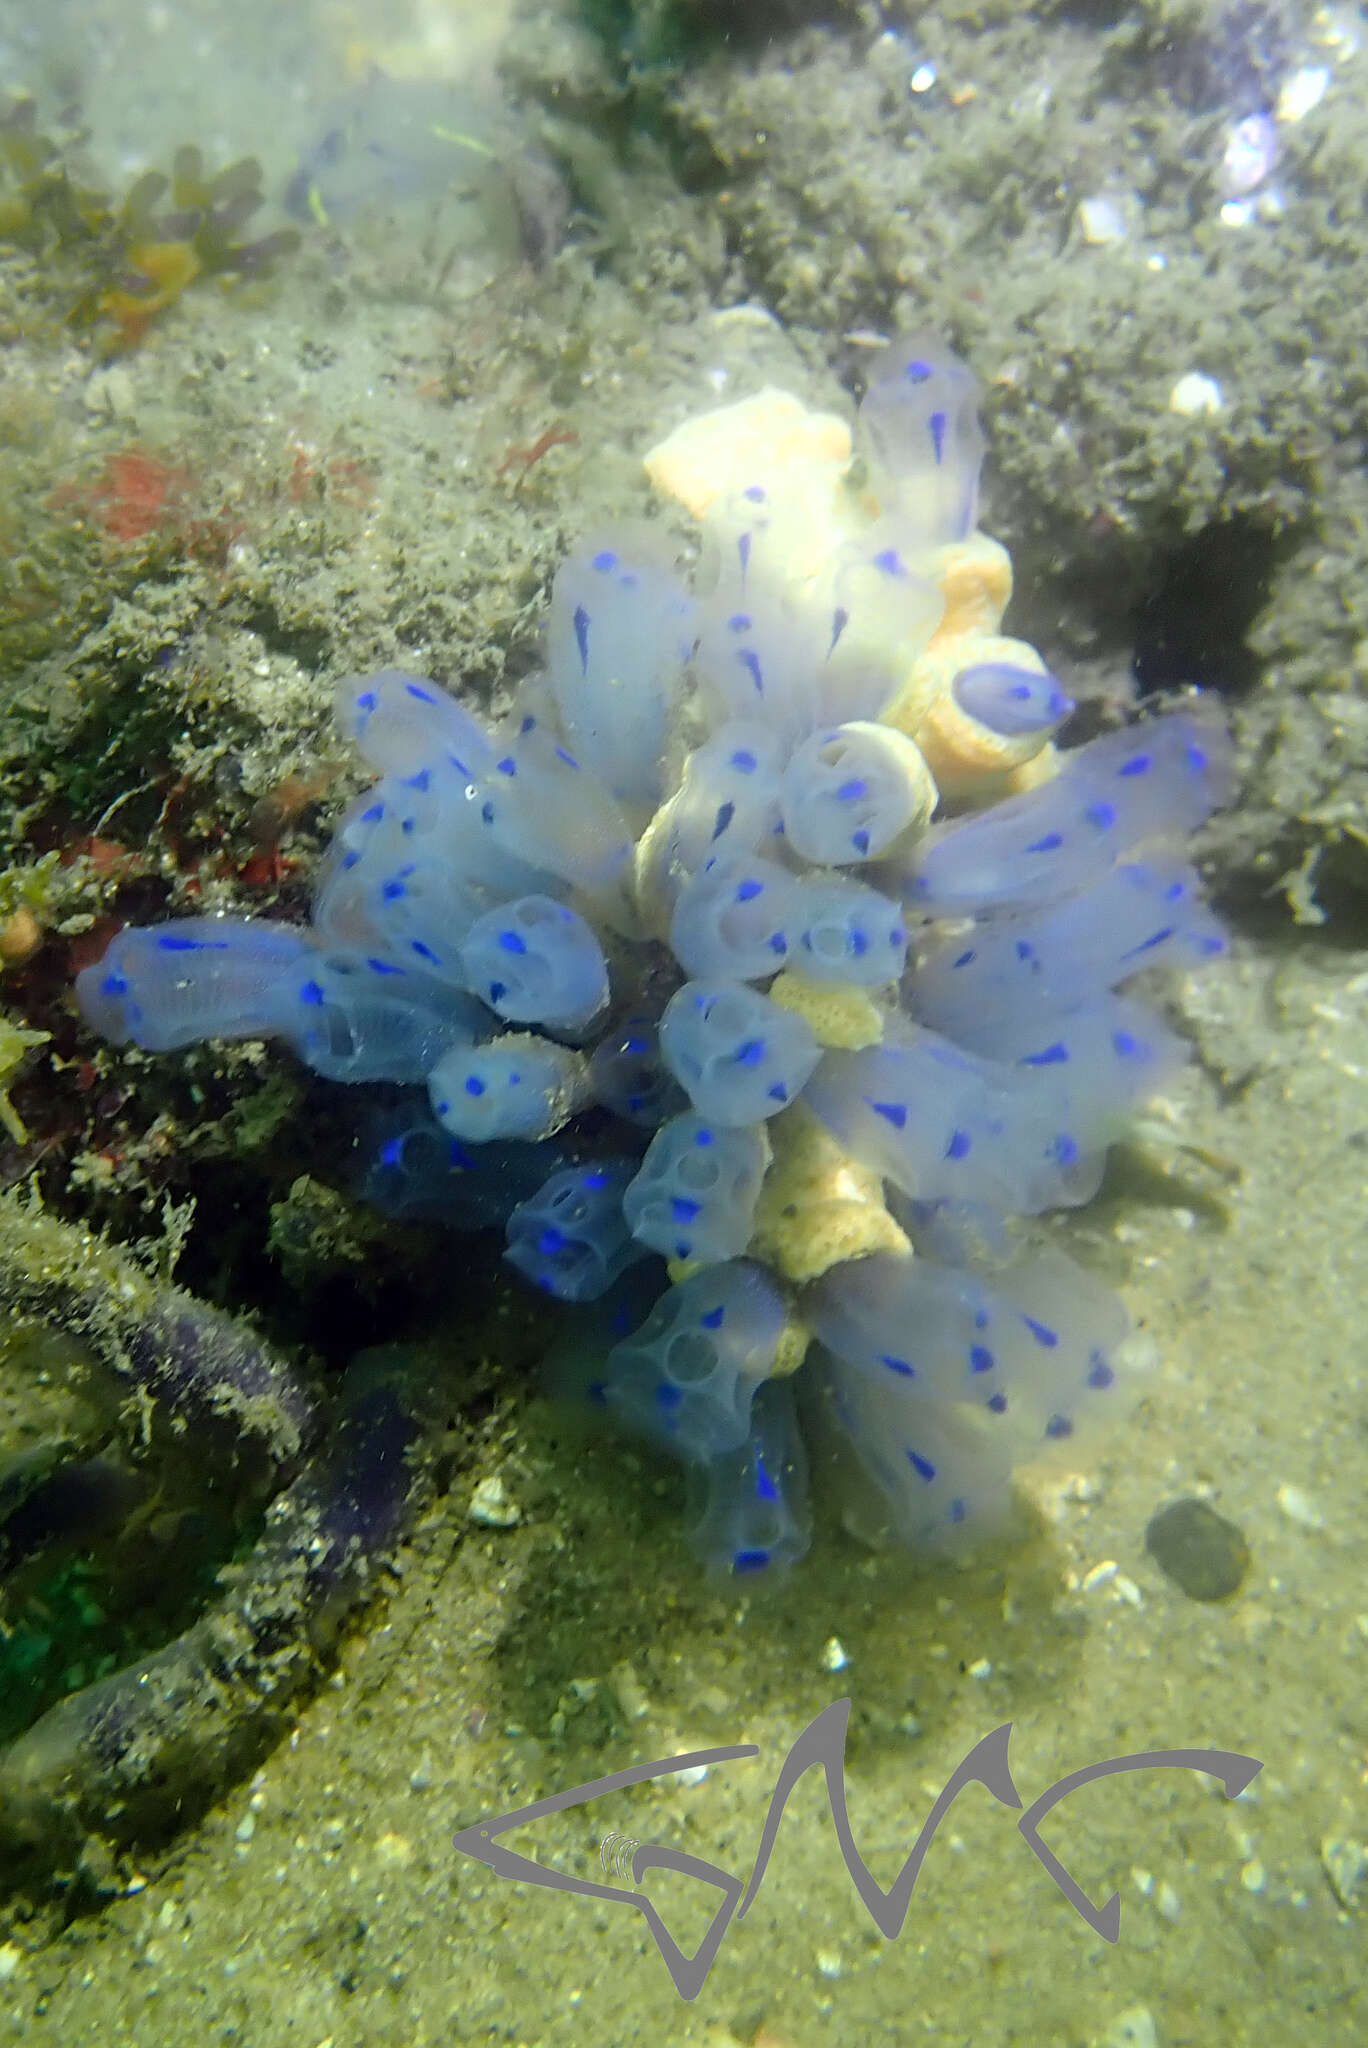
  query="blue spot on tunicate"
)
[
  {"x": 682, "y": 1209},
  {"x": 550, "y": 1242},
  {"x": 894, "y": 1113},
  {"x": 725, "y": 814},
  {"x": 917, "y": 371},
  {"x": 860, "y": 841},
  {"x": 350, "y": 858},
  {"x": 750, "y": 1052},
  {"x": 957, "y": 1510},
  {"x": 755, "y": 493},
  {"x": 1053, "y": 1056},
  {"x": 425, "y": 952},
  {"x": 568, "y": 759},
  {"x": 668, "y": 1396},
  {"x": 851, "y": 792},
  {"x": 747, "y": 891},
  {"x": 740, "y": 622},
  {"x": 382, "y": 966},
  {"x": 765, "y": 1488},
  {"x": 513, "y": 942},
  {"x": 964, "y": 959},
  {"x": 1049, "y": 844},
  {"x": 1025, "y": 950},
  {"x": 981, "y": 1358},
  {"x": 703, "y": 1137},
  {"x": 743, "y": 761},
  {"x": 1197, "y": 760},
  {"x": 420, "y": 780},
  {"x": 311, "y": 993},
  {"x": 958, "y": 1146},
  {"x": 392, "y": 1152},
  {"x": 938, "y": 423},
  {"x": 750, "y": 661},
  {"x": 487, "y": 813},
  {"x": 392, "y": 891},
  {"x": 778, "y": 1093},
  {"x": 923, "y": 1467},
  {"x": 1058, "y": 1426},
  {"x": 474, "y": 1085},
  {"x": 114, "y": 985},
  {"x": 890, "y": 561},
  {"x": 497, "y": 991},
  {"x": 367, "y": 701},
  {"x": 1042, "y": 1332},
  {"x": 1148, "y": 945},
  {"x": 1138, "y": 764},
  {"x": 508, "y": 766},
  {"x": 840, "y": 619},
  {"x": 997, "y": 1404},
  {"x": 750, "y": 1560},
  {"x": 1129, "y": 1046},
  {"x": 1100, "y": 1374},
  {"x": 899, "y": 1365},
  {"x": 859, "y": 944},
  {"x": 1065, "y": 1149},
  {"x": 1101, "y": 815},
  {"x": 423, "y": 696},
  {"x": 171, "y": 942},
  {"x": 373, "y": 815},
  {"x": 582, "y": 637},
  {"x": 778, "y": 944},
  {"x": 604, "y": 560},
  {"x": 714, "y": 1318}
]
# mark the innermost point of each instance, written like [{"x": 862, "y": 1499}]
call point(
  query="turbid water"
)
[{"x": 377, "y": 453}]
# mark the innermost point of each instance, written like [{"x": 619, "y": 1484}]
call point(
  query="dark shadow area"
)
[{"x": 1194, "y": 625}]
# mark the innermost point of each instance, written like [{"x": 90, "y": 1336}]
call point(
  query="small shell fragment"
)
[
  {"x": 491, "y": 1506},
  {"x": 1345, "y": 1864},
  {"x": 1100, "y": 221},
  {"x": 1196, "y": 395},
  {"x": 1300, "y": 1508},
  {"x": 1302, "y": 92},
  {"x": 1250, "y": 153}
]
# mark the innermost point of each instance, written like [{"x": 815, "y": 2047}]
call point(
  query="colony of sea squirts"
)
[{"x": 757, "y": 969}]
